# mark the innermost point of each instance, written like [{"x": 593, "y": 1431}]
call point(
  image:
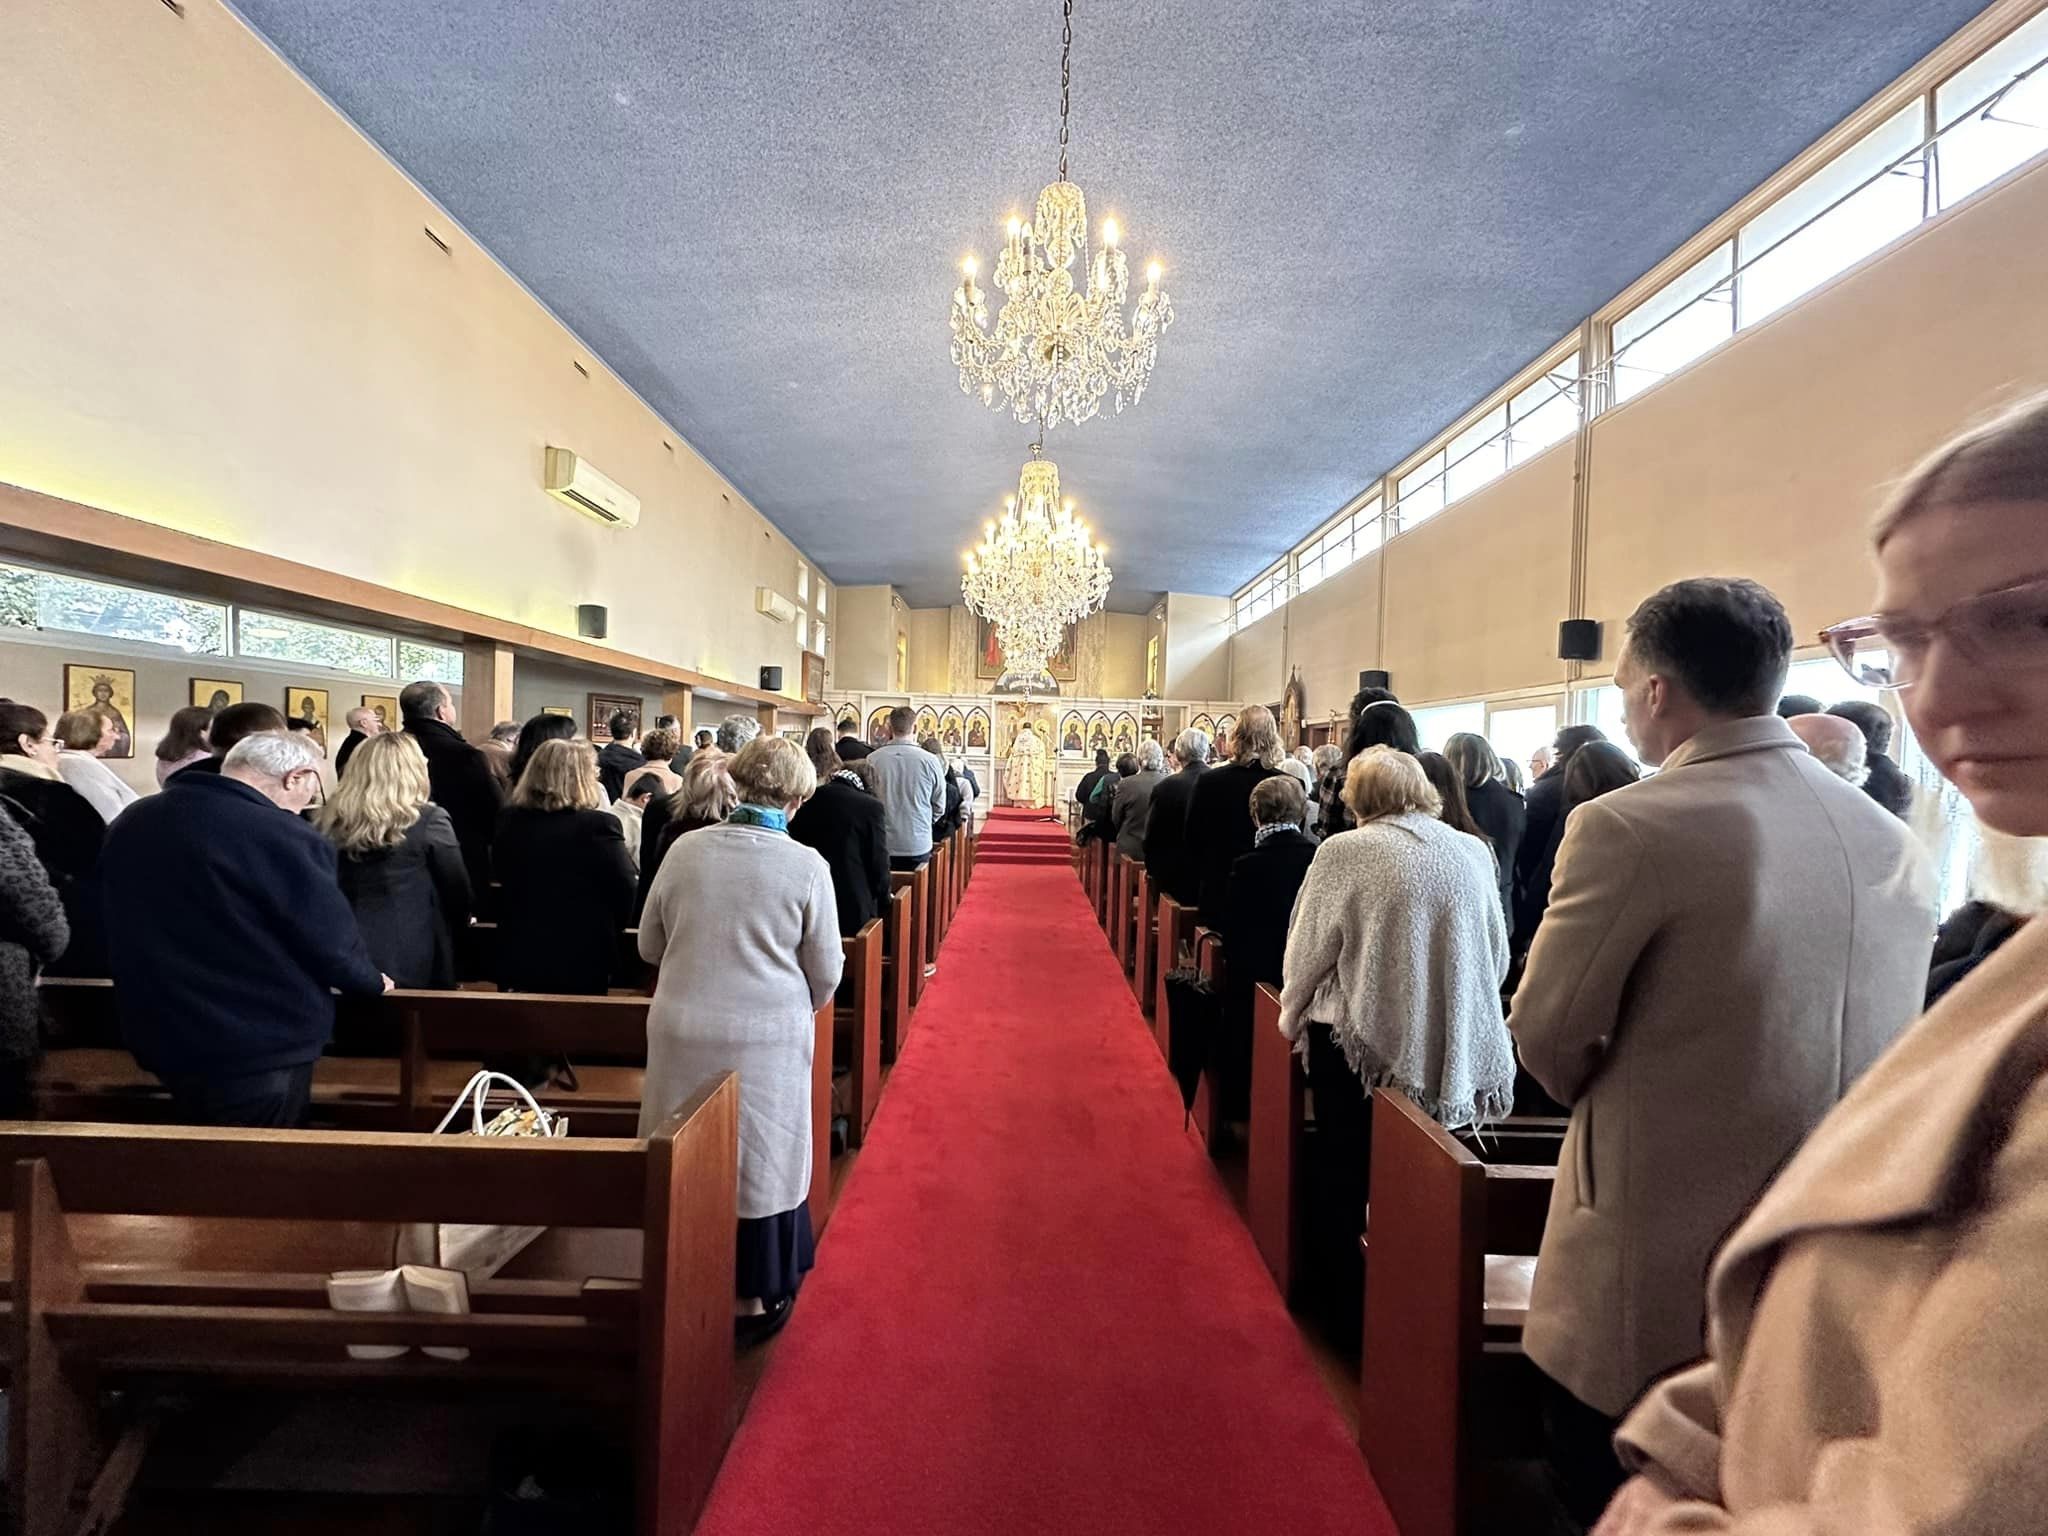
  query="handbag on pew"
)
[
  {"x": 1194, "y": 1017},
  {"x": 481, "y": 1250}
]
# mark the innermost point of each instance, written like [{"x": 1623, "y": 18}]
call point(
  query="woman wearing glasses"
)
[{"x": 1878, "y": 1326}]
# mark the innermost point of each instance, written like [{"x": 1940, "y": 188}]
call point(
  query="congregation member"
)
[
  {"x": 740, "y": 995},
  {"x": 1887, "y": 783},
  {"x": 703, "y": 739},
  {"x": 1792, "y": 705},
  {"x": 1496, "y": 807},
  {"x": 1540, "y": 762},
  {"x": 463, "y": 784},
  {"x": 912, "y": 787},
  {"x": 1511, "y": 774},
  {"x": 362, "y": 723},
  {"x": 1542, "y": 826},
  {"x": 630, "y": 809},
  {"x": 849, "y": 746},
  {"x": 497, "y": 749},
  {"x": 1084, "y": 788},
  {"x": 1377, "y": 720},
  {"x": 679, "y": 758},
  {"x": 84, "y": 737},
  {"x": 1130, "y": 809},
  {"x": 232, "y": 726},
  {"x": 620, "y": 755},
  {"x": 1450, "y": 792},
  {"x": 706, "y": 798},
  {"x": 1836, "y": 745},
  {"x": 1728, "y": 945},
  {"x": 228, "y": 935},
  {"x": 735, "y": 731},
  {"x": 1258, "y": 906},
  {"x": 1298, "y": 765},
  {"x": 662, "y": 746},
  {"x": 67, "y": 832},
  {"x": 1102, "y": 800},
  {"x": 400, "y": 866},
  {"x": 1876, "y": 1327},
  {"x": 566, "y": 882},
  {"x": 847, "y": 827},
  {"x": 1168, "y": 864},
  {"x": 184, "y": 741},
  {"x": 948, "y": 821},
  {"x": 33, "y": 932},
  {"x": 1219, "y": 825},
  {"x": 308, "y": 730},
  {"x": 536, "y": 733},
  {"x": 1392, "y": 977},
  {"x": 1596, "y": 769}
]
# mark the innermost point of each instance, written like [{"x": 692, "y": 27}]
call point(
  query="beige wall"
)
[
  {"x": 1197, "y": 664},
  {"x": 222, "y": 316},
  {"x": 864, "y": 638}
]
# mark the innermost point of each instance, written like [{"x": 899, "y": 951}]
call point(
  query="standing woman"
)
[
  {"x": 66, "y": 831},
  {"x": 1493, "y": 804},
  {"x": 1377, "y": 720},
  {"x": 33, "y": 932},
  {"x": 184, "y": 741},
  {"x": 1877, "y": 1327},
  {"x": 744, "y": 928},
  {"x": 705, "y": 800},
  {"x": 1219, "y": 827},
  {"x": 401, "y": 867},
  {"x": 83, "y": 738},
  {"x": 566, "y": 882},
  {"x": 534, "y": 735}
]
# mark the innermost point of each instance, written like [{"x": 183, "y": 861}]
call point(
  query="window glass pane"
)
[
  {"x": 1517, "y": 730},
  {"x": 803, "y": 631},
  {"x": 1420, "y": 492},
  {"x": 1825, "y": 680},
  {"x": 1369, "y": 534},
  {"x": 803, "y": 582},
  {"x": 1546, "y": 412},
  {"x": 1311, "y": 573},
  {"x": 1782, "y": 264},
  {"x": 320, "y": 645},
  {"x": 32, "y": 599},
  {"x": 1436, "y": 726},
  {"x": 818, "y": 637},
  {"x": 822, "y": 595},
  {"x": 1477, "y": 455},
  {"x": 419, "y": 663},
  {"x": 1607, "y": 716},
  {"x": 1980, "y": 143},
  {"x": 1691, "y": 315}
]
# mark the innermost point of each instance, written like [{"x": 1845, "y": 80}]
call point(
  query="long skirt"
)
[
  {"x": 1341, "y": 1176},
  {"x": 773, "y": 1255}
]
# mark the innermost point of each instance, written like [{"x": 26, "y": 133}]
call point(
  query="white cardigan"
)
[
  {"x": 1397, "y": 944},
  {"x": 104, "y": 790}
]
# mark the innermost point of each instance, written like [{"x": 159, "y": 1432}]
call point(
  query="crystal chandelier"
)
[
  {"x": 1036, "y": 570},
  {"x": 1054, "y": 353}
]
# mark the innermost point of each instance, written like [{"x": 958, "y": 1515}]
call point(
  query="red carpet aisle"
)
[
  {"x": 1022, "y": 837},
  {"x": 1035, "y": 1309}
]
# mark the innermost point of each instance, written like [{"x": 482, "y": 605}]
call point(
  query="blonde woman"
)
[
  {"x": 744, "y": 927},
  {"x": 705, "y": 800},
  {"x": 566, "y": 883},
  {"x": 84, "y": 736},
  {"x": 400, "y": 865}
]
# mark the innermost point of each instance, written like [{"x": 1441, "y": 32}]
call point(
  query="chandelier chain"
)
[{"x": 1066, "y": 79}]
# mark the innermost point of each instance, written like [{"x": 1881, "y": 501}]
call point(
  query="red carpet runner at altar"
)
[
  {"x": 1015, "y": 836},
  {"x": 1035, "y": 1310}
]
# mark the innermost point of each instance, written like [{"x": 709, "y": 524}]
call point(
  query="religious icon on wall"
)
[
  {"x": 558, "y": 709},
  {"x": 1205, "y": 724},
  {"x": 108, "y": 692},
  {"x": 215, "y": 692},
  {"x": 977, "y": 730},
  {"x": 847, "y": 721},
  {"x": 303, "y": 703},
  {"x": 927, "y": 722},
  {"x": 1072, "y": 728},
  {"x": 1098, "y": 732},
  {"x": 604, "y": 705},
  {"x": 1126, "y": 734},
  {"x": 952, "y": 729},
  {"x": 878, "y": 727},
  {"x": 1292, "y": 704},
  {"x": 988, "y": 655},
  {"x": 1225, "y": 726},
  {"x": 384, "y": 707}
]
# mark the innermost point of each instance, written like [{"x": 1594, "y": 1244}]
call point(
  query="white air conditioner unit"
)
[
  {"x": 574, "y": 481},
  {"x": 771, "y": 604}
]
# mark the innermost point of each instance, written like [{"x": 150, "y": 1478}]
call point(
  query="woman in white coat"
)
[{"x": 742, "y": 922}]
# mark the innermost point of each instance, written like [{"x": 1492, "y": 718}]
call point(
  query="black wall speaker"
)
[
  {"x": 590, "y": 620},
  {"x": 771, "y": 679},
  {"x": 1374, "y": 679},
  {"x": 1578, "y": 640}
]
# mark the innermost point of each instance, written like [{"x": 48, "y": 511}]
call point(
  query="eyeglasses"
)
[{"x": 2006, "y": 630}]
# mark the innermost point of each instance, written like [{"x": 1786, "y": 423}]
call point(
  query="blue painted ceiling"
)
[{"x": 1370, "y": 213}]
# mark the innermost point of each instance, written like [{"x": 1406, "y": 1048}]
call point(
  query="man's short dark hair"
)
[
  {"x": 620, "y": 725},
  {"x": 238, "y": 721},
  {"x": 704, "y": 739},
  {"x": 643, "y": 783},
  {"x": 1871, "y": 719},
  {"x": 419, "y": 701},
  {"x": 1102, "y": 757},
  {"x": 1793, "y": 705},
  {"x": 1567, "y": 743},
  {"x": 902, "y": 720},
  {"x": 1126, "y": 766},
  {"x": 1725, "y": 640}
]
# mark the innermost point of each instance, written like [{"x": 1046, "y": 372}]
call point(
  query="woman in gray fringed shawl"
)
[{"x": 1392, "y": 979}]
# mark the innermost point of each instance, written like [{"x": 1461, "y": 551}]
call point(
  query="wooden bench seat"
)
[
  {"x": 896, "y": 966},
  {"x": 857, "y": 1025},
  {"x": 1176, "y": 930}
]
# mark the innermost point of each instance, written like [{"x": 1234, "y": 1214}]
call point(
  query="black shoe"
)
[{"x": 762, "y": 1326}]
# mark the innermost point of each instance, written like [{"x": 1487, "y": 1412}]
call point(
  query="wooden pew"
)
[
  {"x": 1119, "y": 907},
  {"x": 1447, "y": 1290},
  {"x": 919, "y": 884},
  {"x": 1176, "y": 928},
  {"x": 476, "y": 958},
  {"x": 1208, "y": 1107},
  {"x": 1273, "y": 1190},
  {"x": 859, "y": 1024},
  {"x": 1144, "y": 968},
  {"x": 896, "y": 968},
  {"x": 98, "y": 1302}
]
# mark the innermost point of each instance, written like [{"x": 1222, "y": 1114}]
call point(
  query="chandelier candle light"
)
[
  {"x": 1054, "y": 353},
  {"x": 1036, "y": 570}
]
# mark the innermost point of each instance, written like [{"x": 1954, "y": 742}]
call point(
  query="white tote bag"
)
[{"x": 480, "y": 1251}]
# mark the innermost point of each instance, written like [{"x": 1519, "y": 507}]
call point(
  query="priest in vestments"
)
[{"x": 1024, "y": 778}]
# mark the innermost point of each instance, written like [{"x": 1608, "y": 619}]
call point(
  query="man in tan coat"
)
[{"x": 1728, "y": 945}]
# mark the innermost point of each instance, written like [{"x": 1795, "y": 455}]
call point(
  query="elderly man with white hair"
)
[
  {"x": 363, "y": 723},
  {"x": 1130, "y": 811},
  {"x": 735, "y": 731},
  {"x": 1166, "y": 823},
  {"x": 228, "y": 935},
  {"x": 1838, "y": 744}
]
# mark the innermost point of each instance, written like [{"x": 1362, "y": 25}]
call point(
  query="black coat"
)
[
  {"x": 613, "y": 764},
  {"x": 68, "y": 834},
  {"x": 227, "y": 928},
  {"x": 949, "y": 823},
  {"x": 566, "y": 890},
  {"x": 1502, "y": 817},
  {"x": 1542, "y": 829},
  {"x": 849, "y": 829},
  {"x": 1086, "y": 788},
  {"x": 1219, "y": 829},
  {"x": 411, "y": 900},
  {"x": 1167, "y": 863},
  {"x": 349, "y": 744},
  {"x": 653, "y": 822},
  {"x": 1889, "y": 786},
  {"x": 1257, "y": 906},
  {"x": 463, "y": 785}
]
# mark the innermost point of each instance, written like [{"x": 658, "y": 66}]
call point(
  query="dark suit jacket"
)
[
  {"x": 347, "y": 750},
  {"x": 567, "y": 888},
  {"x": 410, "y": 900},
  {"x": 1542, "y": 828},
  {"x": 463, "y": 785},
  {"x": 1257, "y": 906},
  {"x": 1220, "y": 828},
  {"x": 1888, "y": 785},
  {"x": 1502, "y": 817},
  {"x": 614, "y": 764},
  {"x": 849, "y": 829},
  {"x": 1167, "y": 864}
]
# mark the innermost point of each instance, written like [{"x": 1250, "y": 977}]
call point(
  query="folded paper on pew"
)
[{"x": 480, "y": 1251}]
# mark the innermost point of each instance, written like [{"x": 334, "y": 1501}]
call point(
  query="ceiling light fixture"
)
[
  {"x": 1055, "y": 353},
  {"x": 1036, "y": 571}
]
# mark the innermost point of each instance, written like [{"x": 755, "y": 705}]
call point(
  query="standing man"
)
[
  {"x": 228, "y": 935},
  {"x": 911, "y": 784},
  {"x": 1131, "y": 809},
  {"x": 1728, "y": 945},
  {"x": 1887, "y": 784},
  {"x": 1166, "y": 826},
  {"x": 362, "y": 725},
  {"x": 1542, "y": 826},
  {"x": 459, "y": 776},
  {"x": 620, "y": 757}
]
